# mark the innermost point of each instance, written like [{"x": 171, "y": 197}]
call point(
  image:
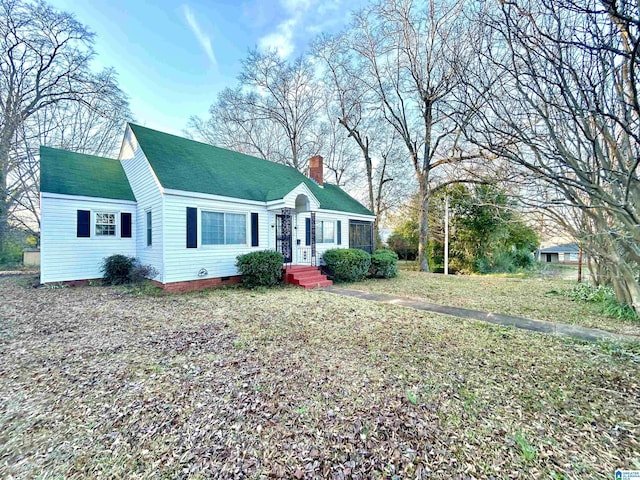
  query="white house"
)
[
  {"x": 188, "y": 209},
  {"x": 568, "y": 253}
]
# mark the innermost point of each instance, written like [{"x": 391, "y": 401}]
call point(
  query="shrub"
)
[
  {"x": 120, "y": 270},
  {"x": 604, "y": 297},
  {"x": 384, "y": 264},
  {"x": 139, "y": 273},
  {"x": 584, "y": 292},
  {"x": 12, "y": 253},
  {"x": 405, "y": 248},
  {"x": 347, "y": 264},
  {"x": 260, "y": 269},
  {"x": 523, "y": 258},
  {"x": 116, "y": 269}
]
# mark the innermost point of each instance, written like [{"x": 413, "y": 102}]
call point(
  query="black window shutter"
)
[
  {"x": 83, "y": 227},
  {"x": 254, "y": 230},
  {"x": 192, "y": 227},
  {"x": 307, "y": 231},
  {"x": 125, "y": 225},
  {"x": 339, "y": 227}
]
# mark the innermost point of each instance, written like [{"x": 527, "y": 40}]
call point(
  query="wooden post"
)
[{"x": 580, "y": 265}]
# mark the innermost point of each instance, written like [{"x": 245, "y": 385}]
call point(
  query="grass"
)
[
  {"x": 539, "y": 298},
  {"x": 103, "y": 382}
]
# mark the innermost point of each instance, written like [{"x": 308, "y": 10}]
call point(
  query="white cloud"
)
[
  {"x": 281, "y": 40},
  {"x": 295, "y": 6},
  {"x": 304, "y": 19},
  {"x": 203, "y": 38}
]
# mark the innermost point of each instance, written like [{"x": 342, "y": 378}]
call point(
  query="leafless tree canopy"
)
[
  {"x": 355, "y": 110},
  {"x": 48, "y": 95},
  {"x": 272, "y": 113},
  {"x": 555, "y": 90}
]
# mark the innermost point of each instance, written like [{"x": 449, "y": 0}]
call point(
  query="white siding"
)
[
  {"x": 148, "y": 193},
  {"x": 182, "y": 263},
  {"x": 64, "y": 256},
  {"x": 322, "y": 215}
]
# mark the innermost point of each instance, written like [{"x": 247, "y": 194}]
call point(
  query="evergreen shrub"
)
[
  {"x": 260, "y": 269},
  {"x": 347, "y": 264},
  {"x": 384, "y": 264}
]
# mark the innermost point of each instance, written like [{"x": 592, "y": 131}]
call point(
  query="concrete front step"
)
[{"x": 306, "y": 276}]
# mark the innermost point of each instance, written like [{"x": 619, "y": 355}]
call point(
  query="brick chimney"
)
[{"x": 315, "y": 169}]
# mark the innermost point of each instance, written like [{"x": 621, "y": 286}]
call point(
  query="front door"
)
[{"x": 283, "y": 236}]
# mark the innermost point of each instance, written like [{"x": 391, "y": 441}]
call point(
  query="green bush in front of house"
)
[
  {"x": 384, "y": 264},
  {"x": 347, "y": 264},
  {"x": 116, "y": 269},
  {"x": 121, "y": 270},
  {"x": 260, "y": 269}
]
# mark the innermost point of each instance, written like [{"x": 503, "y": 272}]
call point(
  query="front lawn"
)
[
  {"x": 97, "y": 382},
  {"x": 538, "y": 297}
]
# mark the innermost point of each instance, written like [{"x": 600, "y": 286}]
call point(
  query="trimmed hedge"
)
[
  {"x": 260, "y": 269},
  {"x": 347, "y": 264},
  {"x": 384, "y": 264}
]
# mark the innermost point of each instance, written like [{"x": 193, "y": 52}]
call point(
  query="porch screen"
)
[{"x": 361, "y": 235}]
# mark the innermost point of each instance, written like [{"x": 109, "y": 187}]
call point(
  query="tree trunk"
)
[
  {"x": 625, "y": 284},
  {"x": 423, "y": 260},
  {"x": 372, "y": 203},
  {"x": 4, "y": 203}
]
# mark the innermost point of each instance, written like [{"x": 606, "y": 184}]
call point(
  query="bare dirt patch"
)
[{"x": 97, "y": 382}]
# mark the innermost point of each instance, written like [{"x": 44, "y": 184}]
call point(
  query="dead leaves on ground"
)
[{"x": 292, "y": 384}]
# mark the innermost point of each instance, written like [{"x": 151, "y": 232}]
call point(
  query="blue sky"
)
[{"x": 173, "y": 58}]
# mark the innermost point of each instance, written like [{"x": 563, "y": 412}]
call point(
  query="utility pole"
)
[{"x": 446, "y": 234}]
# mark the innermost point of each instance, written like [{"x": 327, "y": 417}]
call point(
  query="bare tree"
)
[
  {"x": 357, "y": 111},
  {"x": 556, "y": 92},
  {"x": 339, "y": 154},
  {"x": 272, "y": 113},
  {"x": 232, "y": 125},
  {"x": 411, "y": 55},
  {"x": 44, "y": 61},
  {"x": 93, "y": 125}
]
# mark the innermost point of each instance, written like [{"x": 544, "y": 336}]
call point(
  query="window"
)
[
  {"x": 324, "y": 232},
  {"x": 361, "y": 235},
  {"x": 224, "y": 228},
  {"x": 106, "y": 224},
  {"x": 149, "y": 229}
]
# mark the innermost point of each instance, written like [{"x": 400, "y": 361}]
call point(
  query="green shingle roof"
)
[
  {"x": 183, "y": 164},
  {"x": 72, "y": 173}
]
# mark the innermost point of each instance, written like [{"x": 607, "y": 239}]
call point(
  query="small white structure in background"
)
[
  {"x": 567, "y": 254},
  {"x": 31, "y": 257},
  {"x": 188, "y": 209}
]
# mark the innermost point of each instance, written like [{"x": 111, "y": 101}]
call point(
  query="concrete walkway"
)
[{"x": 562, "y": 329}]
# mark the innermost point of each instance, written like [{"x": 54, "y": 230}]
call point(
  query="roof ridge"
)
[
  {"x": 210, "y": 145},
  {"x": 184, "y": 164}
]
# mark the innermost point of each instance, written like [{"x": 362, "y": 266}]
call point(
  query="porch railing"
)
[{"x": 305, "y": 255}]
